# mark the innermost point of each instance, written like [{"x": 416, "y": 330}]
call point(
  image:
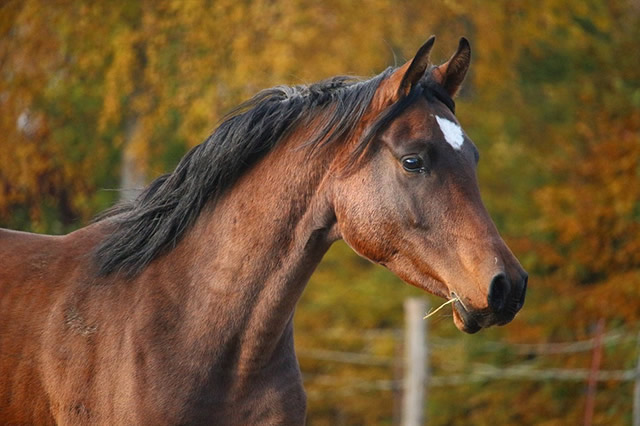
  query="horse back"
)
[
  {"x": 34, "y": 272},
  {"x": 30, "y": 263}
]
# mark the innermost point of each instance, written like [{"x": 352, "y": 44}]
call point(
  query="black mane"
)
[{"x": 158, "y": 218}]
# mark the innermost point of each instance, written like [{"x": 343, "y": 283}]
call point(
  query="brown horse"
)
[{"x": 177, "y": 308}]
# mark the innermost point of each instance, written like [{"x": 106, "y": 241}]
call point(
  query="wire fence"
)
[
  {"x": 483, "y": 372},
  {"x": 479, "y": 372}
]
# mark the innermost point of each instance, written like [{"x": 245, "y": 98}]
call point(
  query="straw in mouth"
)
[{"x": 430, "y": 313}]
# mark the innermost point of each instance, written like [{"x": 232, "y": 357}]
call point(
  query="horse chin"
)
[{"x": 463, "y": 320}]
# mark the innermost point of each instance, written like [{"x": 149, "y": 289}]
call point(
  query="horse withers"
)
[{"x": 177, "y": 307}]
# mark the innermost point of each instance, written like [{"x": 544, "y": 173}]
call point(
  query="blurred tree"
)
[{"x": 97, "y": 96}]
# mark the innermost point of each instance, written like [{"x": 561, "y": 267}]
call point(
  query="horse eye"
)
[{"x": 413, "y": 164}]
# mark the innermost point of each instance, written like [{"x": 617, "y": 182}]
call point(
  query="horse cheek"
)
[{"x": 367, "y": 234}]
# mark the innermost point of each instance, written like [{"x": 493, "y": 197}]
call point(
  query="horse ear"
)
[
  {"x": 451, "y": 74},
  {"x": 404, "y": 78},
  {"x": 417, "y": 67}
]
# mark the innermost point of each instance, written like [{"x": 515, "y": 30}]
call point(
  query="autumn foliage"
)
[{"x": 99, "y": 95}]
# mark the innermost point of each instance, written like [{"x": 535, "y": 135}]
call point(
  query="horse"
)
[{"x": 177, "y": 307}]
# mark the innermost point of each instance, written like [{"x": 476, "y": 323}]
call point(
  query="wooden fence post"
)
[
  {"x": 636, "y": 391},
  {"x": 592, "y": 382},
  {"x": 398, "y": 370},
  {"x": 415, "y": 368}
]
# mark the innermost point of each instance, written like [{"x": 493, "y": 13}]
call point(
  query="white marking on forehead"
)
[{"x": 452, "y": 132}]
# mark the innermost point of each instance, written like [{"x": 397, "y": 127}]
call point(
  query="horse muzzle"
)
[{"x": 505, "y": 299}]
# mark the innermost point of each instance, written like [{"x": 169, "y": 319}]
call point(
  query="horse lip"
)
[
  {"x": 455, "y": 296},
  {"x": 504, "y": 321},
  {"x": 469, "y": 324}
]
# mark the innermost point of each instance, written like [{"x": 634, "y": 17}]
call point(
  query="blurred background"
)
[{"x": 97, "y": 96}]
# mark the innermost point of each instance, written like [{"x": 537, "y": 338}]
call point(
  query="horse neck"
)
[{"x": 251, "y": 255}]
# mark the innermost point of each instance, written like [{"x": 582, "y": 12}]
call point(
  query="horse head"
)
[{"x": 411, "y": 201}]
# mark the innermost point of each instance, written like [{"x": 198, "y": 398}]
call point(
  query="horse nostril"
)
[
  {"x": 498, "y": 292},
  {"x": 523, "y": 292}
]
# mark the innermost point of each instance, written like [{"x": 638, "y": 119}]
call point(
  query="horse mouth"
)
[
  {"x": 472, "y": 322},
  {"x": 464, "y": 320}
]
